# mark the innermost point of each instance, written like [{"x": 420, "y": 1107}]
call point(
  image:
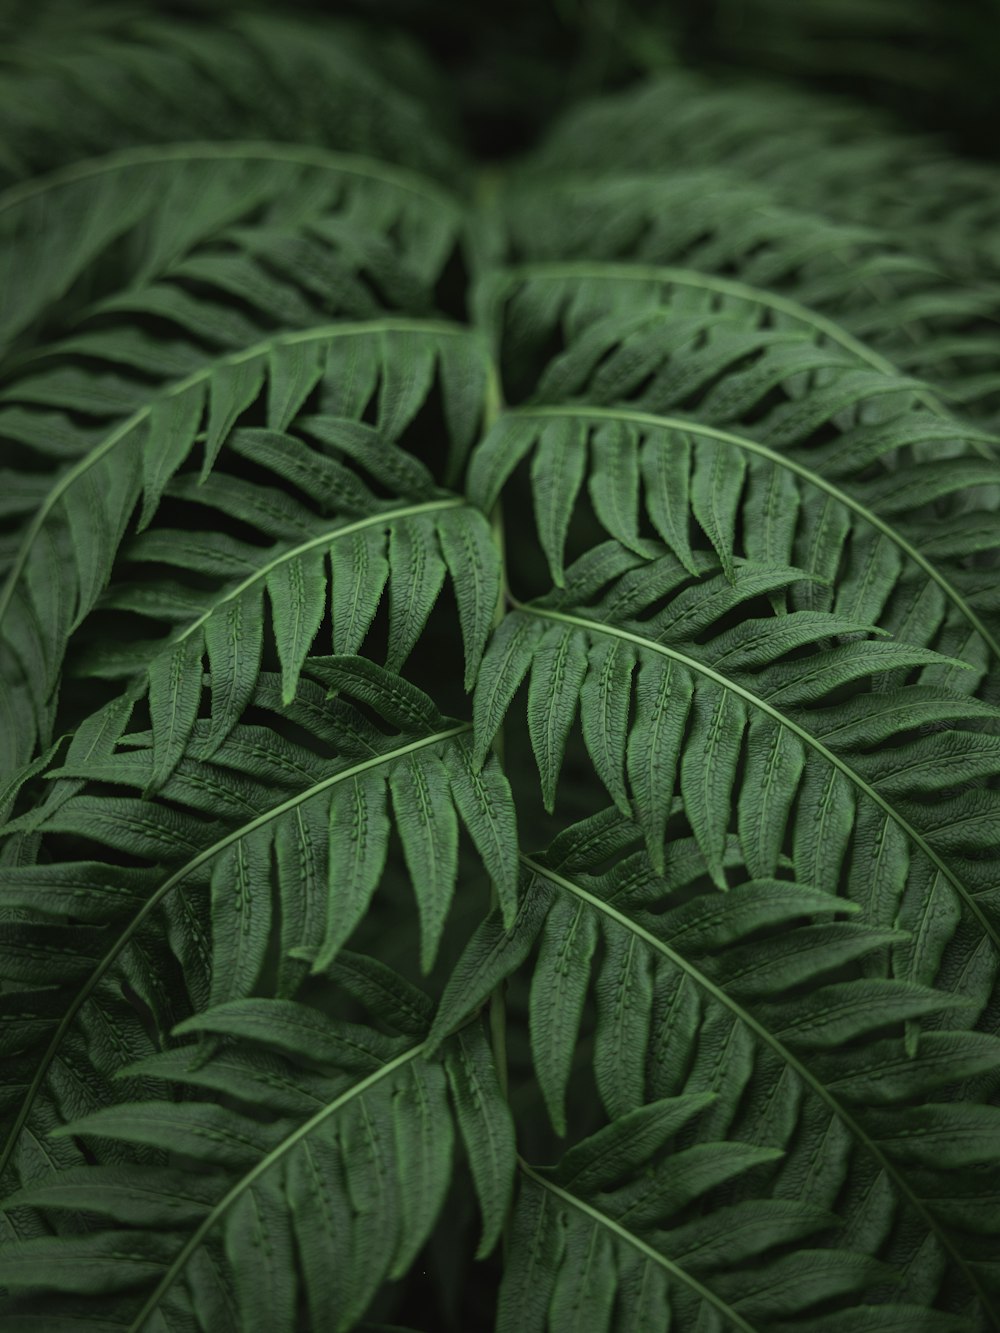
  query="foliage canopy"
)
[{"x": 500, "y": 695}]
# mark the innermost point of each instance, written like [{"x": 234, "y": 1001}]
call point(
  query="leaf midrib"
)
[
  {"x": 266, "y": 1162},
  {"x": 807, "y": 737},
  {"x": 790, "y": 1059},
  {"x": 385, "y": 516},
  {"x": 829, "y": 328},
  {"x": 109, "y": 959},
  {"x": 651, "y": 419},
  {"x": 364, "y": 328},
  {"x": 647, "y": 1251},
  {"x": 306, "y": 155}
]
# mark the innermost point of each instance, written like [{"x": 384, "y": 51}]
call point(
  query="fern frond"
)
[
  {"x": 705, "y": 694},
  {"x": 707, "y": 225},
  {"x": 265, "y": 835},
  {"x": 146, "y": 81},
  {"x": 655, "y": 403},
  {"x": 828, "y": 155},
  {"x": 367, "y": 522},
  {"x": 595, "y": 1258},
  {"x": 324, "y": 1178},
  {"x": 392, "y": 364},
  {"x": 753, "y": 1000},
  {"x": 314, "y": 214}
]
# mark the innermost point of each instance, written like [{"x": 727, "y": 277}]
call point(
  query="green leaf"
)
[
  {"x": 232, "y": 389},
  {"x": 559, "y": 987},
  {"x": 259, "y": 1246},
  {"x": 424, "y": 1143},
  {"x": 463, "y": 370},
  {"x": 585, "y": 1287},
  {"x": 604, "y": 708},
  {"x": 173, "y": 425},
  {"x": 297, "y": 591},
  {"x": 685, "y": 1176},
  {"x": 360, "y": 573},
  {"x": 486, "y": 1127},
  {"x": 491, "y": 955},
  {"x": 837, "y": 1013},
  {"x": 624, "y": 1003},
  {"x": 485, "y": 802},
  {"x": 623, "y": 1148},
  {"x": 940, "y": 1134},
  {"x": 504, "y": 667},
  {"x": 322, "y": 1221},
  {"x": 408, "y": 370},
  {"x": 775, "y": 758},
  {"x": 294, "y": 369},
  {"x": 614, "y": 482},
  {"x": 373, "y": 1186},
  {"x": 887, "y": 1074},
  {"x": 529, "y": 1277},
  {"x": 416, "y": 576},
  {"x": 558, "y": 668},
  {"x": 359, "y": 843},
  {"x": 292, "y": 1028},
  {"x": 301, "y": 860},
  {"x": 507, "y": 442},
  {"x": 388, "y": 995},
  {"x": 716, "y": 488},
  {"x": 786, "y": 1286},
  {"x": 663, "y": 698},
  {"x": 665, "y": 459},
  {"x": 708, "y": 771},
  {"x": 174, "y": 699},
  {"x": 198, "y": 1129},
  {"x": 241, "y": 914},
  {"x": 161, "y": 1197},
  {"x": 99, "y": 1264},
  {"x": 402, "y": 704},
  {"x": 474, "y": 564},
  {"x": 557, "y": 472},
  {"x": 234, "y": 638},
  {"x": 428, "y": 829}
]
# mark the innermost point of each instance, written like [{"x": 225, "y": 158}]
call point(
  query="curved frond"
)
[
  {"x": 745, "y": 723},
  {"x": 319, "y": 1176},
  {"x": 709, "y": 223},
  {"x": 839, "y": 471},
  {"x": 147, "y": 80},
  {"x": 831, "y": 156},
  {"x": 266, "y": 839},
  {"x": 178, "y": 444},
  {"x": 757, "y": 1003},
  {"x": 372, "y": 514}
]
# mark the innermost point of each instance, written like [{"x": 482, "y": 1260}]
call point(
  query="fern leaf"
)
[
  {"x": 603, "y": 1245},
  {"x": 380, "y": 1167},
  {"x": 239, "y": 859},
  {"x": 829, "y": 777},
  {"x": 700, "y": 940},
  {"x": 487, "y": 1129},
  {"x": 662, "y": 456}
]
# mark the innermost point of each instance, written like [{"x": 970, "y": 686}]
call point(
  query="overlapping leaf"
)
[
  {"x": 160, "y": 450},
  {"x": 321, "y": 1175},
  {"x": 753, "y": 1009},
  {"x": 683, "y": 428},
  {"x": 265, "y": 848}
]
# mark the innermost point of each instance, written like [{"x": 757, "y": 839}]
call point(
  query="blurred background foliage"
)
[{"x": 510, "y": 68}]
